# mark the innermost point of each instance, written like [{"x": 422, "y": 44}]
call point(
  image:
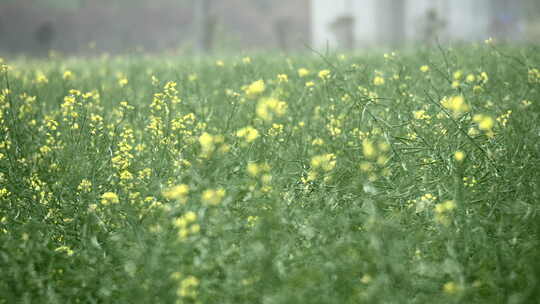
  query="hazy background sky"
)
[{"x": 89, "y": 27}]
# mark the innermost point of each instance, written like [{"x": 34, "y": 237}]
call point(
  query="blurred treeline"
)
[
  {"x": 532, "y": 13},
  {"x": 34, "y": 27}
]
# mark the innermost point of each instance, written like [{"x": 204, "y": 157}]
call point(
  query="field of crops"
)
[{"x": 408, "y": 177}]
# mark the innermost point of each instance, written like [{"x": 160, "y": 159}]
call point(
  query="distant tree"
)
[
  {"x": 434, "y": 25},
  {"x": 282, "y": 27},
  {"x": 44, "y": 35},
  {"x": 204, "y": 25},
  {"x": 391, "y": 16}
]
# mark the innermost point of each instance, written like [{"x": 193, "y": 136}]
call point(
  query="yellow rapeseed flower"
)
[
  {"x": 450, "y": 288},
  {"x": 324, "y": 74},
  {"x": 366, "y": 279},
  {"x": 456, "y": 104},
  {"x": 193, "y": 77},
  {"x": 178, "y": 192},
  {"x": 485, "y": 123},
  {"x": 484, "y": 77},
  {"x": 207, "y": 144},
  {"x": 188, "y": 287},
  {"x": 268, "y": 107},
  {"x": 368, "y": 149},
  {"x": 302, "y": 72},
  {"x": 248, "y": 133},
  {"x": 65, "y": 249},
  {"x": 283, "y": 78},
  {"x": 318, "y": 142},
  {"x": 378, "y": 81},
  {"x": 255, "y": 88},
  {"x": 459, "y": 156},
  {"x": 126, "y": 175},
  {"x": 41, "y": 78},
  {"x": 213, "y": 196},
  {"x": 68, "y": 75},
  {"x": 190, "y": 216},
  {"x": 122, "y": 82},
  {"x": 421, "y": 114},
  {"x": 4, "y": 193},
  {"x": 253, "y": 169},
  {"x": 109, "y": 198},
  {"x": 326, "y": 162}
]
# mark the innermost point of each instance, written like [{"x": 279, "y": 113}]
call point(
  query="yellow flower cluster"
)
[
  {"x": 421, "y": 115},
  {"x": 471, "y": 79},
  {"x": 252, "y": 220},
  {"x": 459, "y": 156},
  {"x": 303, "y": 72},
  {"x": 188, "y": 288},
  {"x": 213, "y": 196},
  {"x": 268, "y": 107},
  {"x": 378, "y": 81},
  {"x": 109, "y": 198},
  {"x": 456, "y": 104},
  {"x": 324, "y": 163},
  {"x": 335, "y": 124},
  {"x": 123, "y": 156},
  {"x": 376, "y": 155},
  {"x": 375, "y": 151},
  {"x": 68, "y": 75},
  {"x": 534, "y": 76},
  {"x": 171, "y": 93},
  {"x": 4, "y": 193},
  {"x": 122, "y": 79},
  {"x": 65, "y": 249},
  {"x": 324, "y": 74},
  {"x": 249, "y": 134},
  {"x": 85, "y": 186},
  {"x": 422, "y": 203},
  {"x": 207, "y": 143},
  {"x": 451, "y": 288},
  {"x": 469, "y": 181},
  {"x": 255, "y": 170},
  {"x": 503, "y": 119},
  {"x": 41, "y": 78},
  {"x": 282, "y": 78},
  {"x": 184, "y": 125},
  {"x": 254, "y": 89},
  {"x": 485, "y": 123},
  {"x": 276, "y": 130},
  {"x": 443, "y": 210},
  {"x": 186, "y": 225},
  {"x": 179, "y": 193}
]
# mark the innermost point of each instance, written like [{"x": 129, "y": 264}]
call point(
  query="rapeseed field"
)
[{"x": 406, "y": 177}]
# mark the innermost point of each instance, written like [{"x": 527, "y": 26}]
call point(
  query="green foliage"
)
[{"x": 403, "y": 178}]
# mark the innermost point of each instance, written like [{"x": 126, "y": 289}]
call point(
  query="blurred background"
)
[{"x": 88, "y": 27}]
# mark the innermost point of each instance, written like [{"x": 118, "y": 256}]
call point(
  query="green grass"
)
[{"x": 354, "y": 193}]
